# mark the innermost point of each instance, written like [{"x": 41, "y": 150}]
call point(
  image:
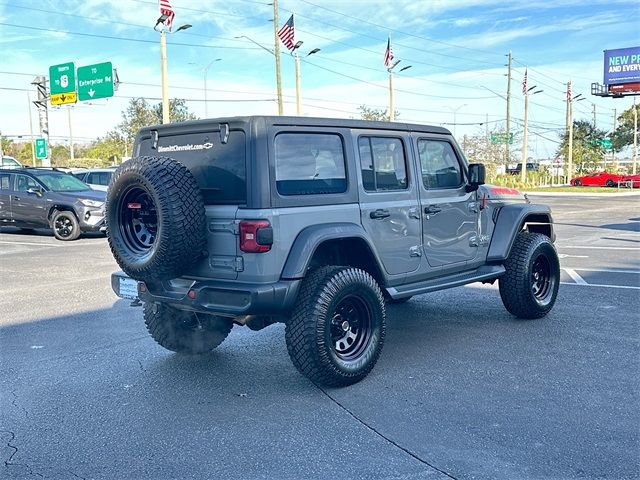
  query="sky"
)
[{"x": 457, "y": 51}]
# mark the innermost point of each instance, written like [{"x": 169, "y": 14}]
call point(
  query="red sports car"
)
[
  {"x": 599, "y": 179},
  {"x": 630, "y": 181}
]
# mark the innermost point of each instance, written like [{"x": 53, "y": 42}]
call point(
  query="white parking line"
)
[
  {"x": 575, "y": 277},
  {"x": 32, "y": 244},
  {"x": 587, "y": 247},
  {"x": 629, "y": 287},
  {"x": 606, "y": 270}
]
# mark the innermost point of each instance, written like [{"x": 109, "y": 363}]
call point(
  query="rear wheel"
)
[
  {"x": 185, "y": 332},
  {"x": 65, "y": 226},
  {"x": 337, "y": 329},
  {"x": 530, "y": 285},
  {"x": 577, "y": 183}
]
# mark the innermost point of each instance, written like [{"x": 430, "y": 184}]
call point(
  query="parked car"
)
[
  {"x": 531, "y": 167},
  {"x": 96, "y": 178},
  {"x": 630, "y": 181},
  {"x": 598, "y": 179},
  {"x": 314, "y": 222},
  {"x": 46, "y": 198},
  {"x": 9, "y": 162}
]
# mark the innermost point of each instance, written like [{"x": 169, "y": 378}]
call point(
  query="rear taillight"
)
[{"x": 255, "y": 236}]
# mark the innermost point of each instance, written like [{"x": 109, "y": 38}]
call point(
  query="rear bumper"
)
[{"x": 214, "y": 297}]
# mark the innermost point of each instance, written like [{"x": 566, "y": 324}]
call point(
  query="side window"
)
[
  {"x": 309, "y": 164},
  {"x": 439, "y": 164},
  {"x": 383, "y": 164},
  {"x": 24, "y": 183},
  {"x": 98, "y": 178},
  {"x": 4, "y": 181}
]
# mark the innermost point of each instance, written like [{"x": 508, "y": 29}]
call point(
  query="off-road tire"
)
[
  {"x": 332, "y": 297},
  {"x": 530, "y": 285},
  {"x": 185, "y": 332},
  {"x": 169, "y": 233},
  {"x": 65, "y": 226}
]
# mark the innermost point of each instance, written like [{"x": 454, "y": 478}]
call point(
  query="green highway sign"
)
[
  {"x": 501, "y": 138},
  {"x": 62, "y": 83},
  {"x": 605, "y": 142},
  {"x": 40, "y": 145},
  {"x": 95, "y": 81}
]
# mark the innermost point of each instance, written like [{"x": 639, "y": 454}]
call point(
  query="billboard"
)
[{"x": 621, "y": 66}]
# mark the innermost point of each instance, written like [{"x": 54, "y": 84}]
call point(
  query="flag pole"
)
[{"x": 277, "y": 55}]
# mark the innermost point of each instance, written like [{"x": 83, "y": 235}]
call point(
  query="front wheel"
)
[
  {"x": 577, "y": 183},
  {"x": 336, "y": 333},
  {"x": 185, "y": 332},
  {"x": 610, "y": 182},
  {"x": 65, "y": 226},
  {"x": 530, "y": 285}
]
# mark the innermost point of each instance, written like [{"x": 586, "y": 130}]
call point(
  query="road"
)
[{"x": 462, "y": 390}]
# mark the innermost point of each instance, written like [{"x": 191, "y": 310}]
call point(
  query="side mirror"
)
[
  {"x": 477, "y": 174},
  {"x": 35, "y": 191}
]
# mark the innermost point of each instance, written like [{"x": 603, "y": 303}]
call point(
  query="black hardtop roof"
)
[{"x": 197, "y": 125}]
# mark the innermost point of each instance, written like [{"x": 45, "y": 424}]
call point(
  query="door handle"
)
[
  {"x": 379, "y": 214},
  {"x": 432, "y": 209}
]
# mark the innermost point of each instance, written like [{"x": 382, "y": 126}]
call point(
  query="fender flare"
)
[
  {"x": 311, "y": 237},
  {"x": 509, "y": 222}
]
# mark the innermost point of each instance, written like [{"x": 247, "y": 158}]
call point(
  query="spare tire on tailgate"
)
[{"x": 156, "y": 222}]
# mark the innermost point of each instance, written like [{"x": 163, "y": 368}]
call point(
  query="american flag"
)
[
  {"x": 166, "y": 9},
  {"x": 524, "y": 83},
  {"x": 286, "y": 33},
  {"x": 569, "y": 92},
  {"x": 388, "y": 54}
]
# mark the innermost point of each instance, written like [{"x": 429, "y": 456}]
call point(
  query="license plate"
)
[{"x": 128, "y": 288}]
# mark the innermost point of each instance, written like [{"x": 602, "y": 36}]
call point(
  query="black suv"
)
[
  {"x": 41, "y": 198},
  {"x": 316, "y": 223}
]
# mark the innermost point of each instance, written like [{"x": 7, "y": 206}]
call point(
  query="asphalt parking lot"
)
[{"x": 462, "y": 389}]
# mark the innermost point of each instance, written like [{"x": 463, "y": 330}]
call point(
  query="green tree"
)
[
  {"x": 376, "y": 114},
  {"x": 110, "y": 149},
  {"x": 623, "y": 134},
  {"x": 139, "y": 113},
  {"x": 588, "y": 153}
]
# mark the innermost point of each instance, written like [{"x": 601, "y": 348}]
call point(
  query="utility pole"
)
[
  {"x": 523, "y": 161},
  {"x": 594, "y": 116},
  {"x": 163, "y": 73},
  {"x": 635, "y": 135},
  {"x": 391, "y": 115},
  {"x": 43, "y": 114},
  {"x": 613, "y": 149},
  {"x": 508, "y": 108},
  {"x": 570, "y": 120},
  {"x": 70, "y": 134},
  {"x": 296, "y": 58},
  {"x": 33, "y": 147},
  {"x": 277, "y": 53}
]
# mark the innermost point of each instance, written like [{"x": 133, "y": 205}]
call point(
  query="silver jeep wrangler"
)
[{"x": 316, "y": 223}]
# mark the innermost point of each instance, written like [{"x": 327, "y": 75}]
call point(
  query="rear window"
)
[
  {"x": 220, "y": 169},
  {"x": 309, "y": 164}
]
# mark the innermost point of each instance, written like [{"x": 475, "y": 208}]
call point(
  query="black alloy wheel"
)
[
  {"x": 529, "y": 287},
  {"x": 65, "y": 226},
  {"x": 336, "y": 331},
  {"x": 350, "y": 328},
  {"x": 542, "y": 281},
  {"x": 138, "y": 220}
]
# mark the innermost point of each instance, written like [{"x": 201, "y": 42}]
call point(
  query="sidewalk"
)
[{"x": 621, "y": 193}]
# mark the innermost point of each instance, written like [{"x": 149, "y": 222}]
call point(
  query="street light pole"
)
[
  {"x": 163, "y": 64},
  {"x": 390, "y": 70},
  {"x": 277, "y": 55},
  {"x": 455, "y": 111},
  {"x": 163, "y": 73},
  {"x": 523, "y": 161}
]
